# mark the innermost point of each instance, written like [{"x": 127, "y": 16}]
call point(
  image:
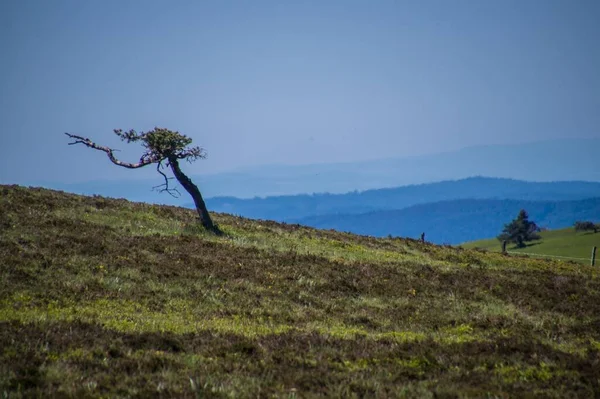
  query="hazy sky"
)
[{"x": 262, "y": 82}]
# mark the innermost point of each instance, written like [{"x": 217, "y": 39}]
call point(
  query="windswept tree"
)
[
  {"x": 164, "y": 148},
  {"x": 520, "y": 230}
]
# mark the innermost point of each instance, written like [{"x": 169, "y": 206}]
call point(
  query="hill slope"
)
[
  {"x": 107, "y": 298},
  {"x": 564, "y": 242},
  {"x": 286, "y": 208},
  {"x": 454, "y": 222}
]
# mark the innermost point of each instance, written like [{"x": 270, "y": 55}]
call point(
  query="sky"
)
[{"x": 289, "y": 82}]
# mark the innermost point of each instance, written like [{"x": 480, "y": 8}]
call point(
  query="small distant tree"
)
[
  {"x": 520, "y": 230},
  {"x": 586, "y": 226},
  {"x": 164, "y": 148}
]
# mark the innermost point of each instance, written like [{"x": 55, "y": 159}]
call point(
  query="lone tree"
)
[
  {"x": 165, "y": 148},
  {"x": 520, "y": 230},
  {"x": 586, "y": 226}
]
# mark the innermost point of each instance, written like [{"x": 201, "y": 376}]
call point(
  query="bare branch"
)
[
  {"x": 145, "y": 160},
  {"x": 173, "y": 192}
]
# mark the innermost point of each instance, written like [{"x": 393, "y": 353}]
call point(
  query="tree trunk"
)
[
  {"x": 520, "y": 242},
  {"x": 193, "y": 190}
]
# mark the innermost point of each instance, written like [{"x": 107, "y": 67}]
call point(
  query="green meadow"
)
[
  {"x": 105, "y": 298},
  {"x": 559, "y": 244}
]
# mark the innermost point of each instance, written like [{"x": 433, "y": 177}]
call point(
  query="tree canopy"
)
[{"x": 520, "y": 230}]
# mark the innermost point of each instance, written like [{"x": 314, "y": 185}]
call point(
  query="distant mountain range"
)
[
  {"x": 448, "y": 212},
  {"x": 558, "y": 160},
  {"x": 285, "y": 208},
  {"x": 458, "y": 221}
]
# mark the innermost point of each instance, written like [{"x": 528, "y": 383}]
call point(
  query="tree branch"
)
[
  {"x": 109, "y": 151},
  {"x": 171, "y": 191}
]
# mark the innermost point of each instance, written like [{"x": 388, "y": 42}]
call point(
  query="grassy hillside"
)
[
  {"x": 107, "y": 298},
  {"x": 564, "y": 242}
]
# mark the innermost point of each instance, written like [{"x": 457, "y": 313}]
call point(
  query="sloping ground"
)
[
  {"x": 109, "y": 298},
  {"x": 560, "y": 243}
]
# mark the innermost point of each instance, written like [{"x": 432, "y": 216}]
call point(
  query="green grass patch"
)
[{"x": 563, "y": 244}]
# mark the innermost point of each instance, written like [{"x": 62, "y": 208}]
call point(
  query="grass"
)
[
  {"x": 108, "y": 298},
  {"x": 559, "y": 243}
]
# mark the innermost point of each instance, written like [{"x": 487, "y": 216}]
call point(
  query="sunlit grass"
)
[{"x": 565, "y": 245}]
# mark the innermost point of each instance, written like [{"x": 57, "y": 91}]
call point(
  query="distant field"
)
[{"x": 564, "y": 242}]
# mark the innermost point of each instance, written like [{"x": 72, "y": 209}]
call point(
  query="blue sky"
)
[{"x": 295, "y": 82}]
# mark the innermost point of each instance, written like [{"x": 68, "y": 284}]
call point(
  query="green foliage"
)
[
  {"x": 162, "y": 143},
  {"x": 586, "y": 226},
  {"x": 520, "y": 230},
  {"x": 108, "y": 298}
]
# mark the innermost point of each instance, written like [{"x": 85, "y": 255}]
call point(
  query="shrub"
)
[{"x": 586, "y": 226}]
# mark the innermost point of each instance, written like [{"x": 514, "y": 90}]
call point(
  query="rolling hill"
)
[
  {"x": 108, "y": 298},
  {"x": 458, "y": 221},
  {"x": 287, "y": 208},
  {"x": 555, "y": 160},
  {"x": 555, "y": 243}
]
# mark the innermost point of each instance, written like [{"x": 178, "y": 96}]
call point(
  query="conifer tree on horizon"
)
[
  {"x": 163, "y": 147},
  {"x": 520, "y": 230}
]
